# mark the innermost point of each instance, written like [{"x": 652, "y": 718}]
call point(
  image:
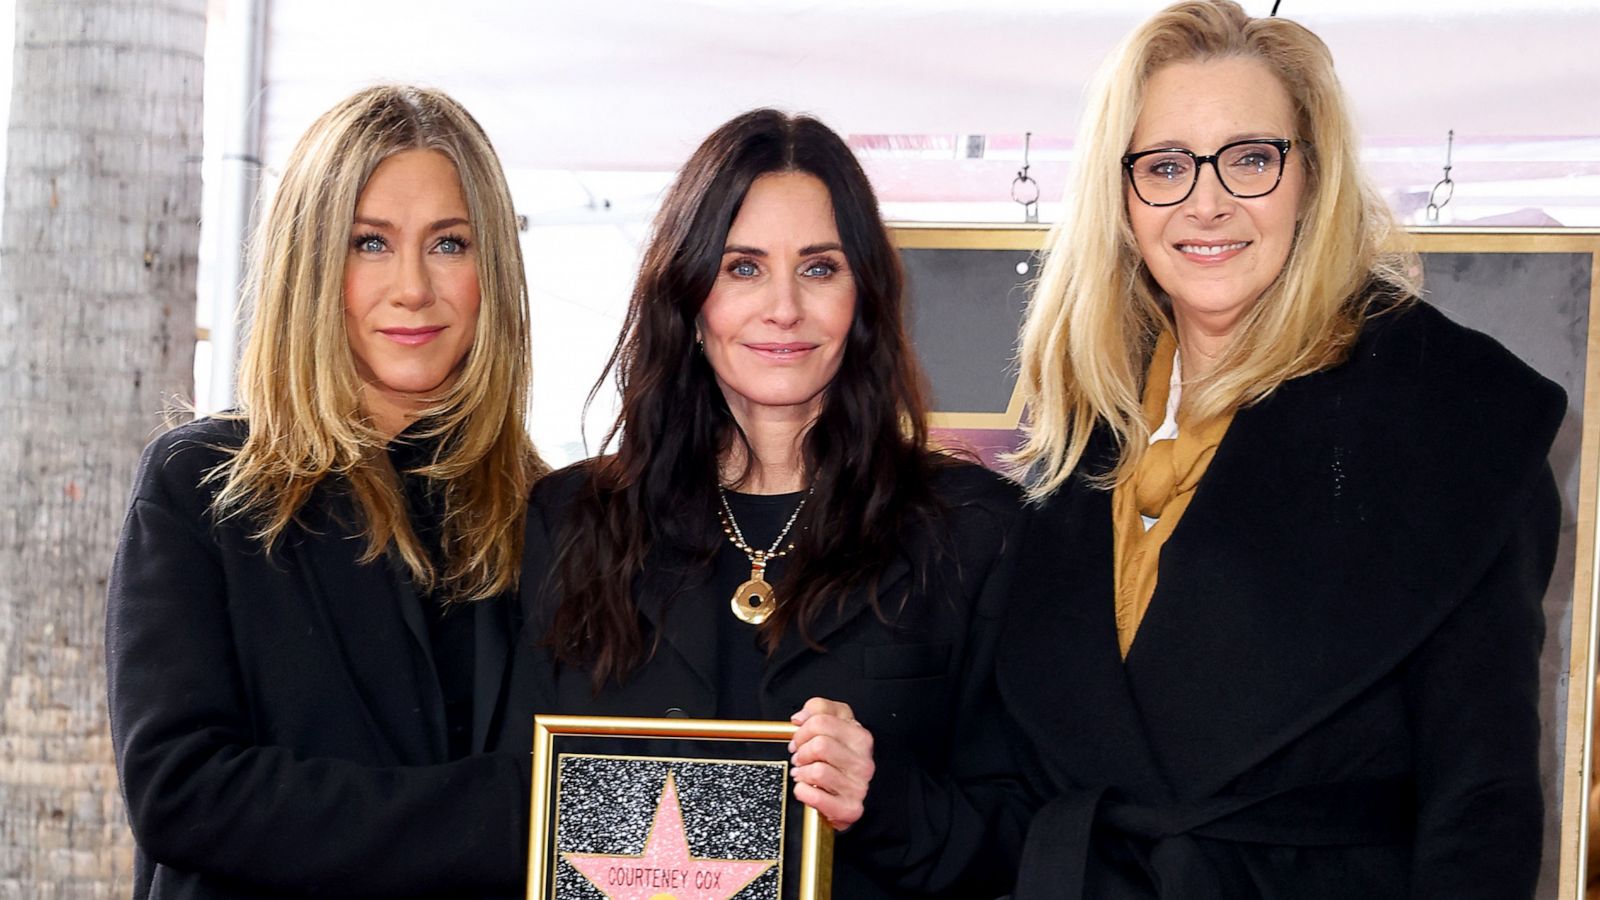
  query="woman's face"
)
[
  {"x": 775, "y": 322},
  {"x": 1215, "y": 254},
  {"x": 410, "y": 284}
]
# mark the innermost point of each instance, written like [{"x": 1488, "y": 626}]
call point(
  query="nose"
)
[
  {"x": 783, "y": 302},
  {"x": 1209, "y": 200},
  {"x": 413, "y": 287}
]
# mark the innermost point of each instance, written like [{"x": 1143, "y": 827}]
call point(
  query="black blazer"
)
[
  {"x": 1334, "y": 692},
  {"x": 278, "y": 726},
  {"x": 942, "y": 816}
]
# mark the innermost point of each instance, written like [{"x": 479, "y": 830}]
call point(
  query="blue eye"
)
[
  {"x": 369, "y": 243},
  {"x": 452, "y": 245},
  {"x": 1252, "y": 162},
  {"x": 1169, "y": 166},
  {"x": 821, "y": 268},
  {"x": 1253, "y": 159},
  {"x": 744, "y": 268}
]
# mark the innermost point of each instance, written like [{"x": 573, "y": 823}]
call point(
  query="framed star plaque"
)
[{"x": 670, "y": 809}]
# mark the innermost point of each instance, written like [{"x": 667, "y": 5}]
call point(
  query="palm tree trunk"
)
[{"x": 98, "y": 243}]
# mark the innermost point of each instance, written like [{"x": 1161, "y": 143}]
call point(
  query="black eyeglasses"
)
[{"x": 1166, "y": 177}]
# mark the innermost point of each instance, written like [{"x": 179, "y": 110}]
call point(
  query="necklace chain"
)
[{"x": 730, "y": 527}]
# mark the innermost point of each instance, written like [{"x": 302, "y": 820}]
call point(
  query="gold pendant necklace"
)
[{"x": 753, "y": 601}]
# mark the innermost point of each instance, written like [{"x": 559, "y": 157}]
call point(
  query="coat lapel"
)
[
  {"x": 412, "y": 613},
  {"x": 1263, "y": 616},
  {"x": 682, "y": 615},
  {"x": 358, "y": 606},
  {"x": 833, "y": 617},
  {"x": 1063, "y": 632},
  {"x": 492, "y": 627}
]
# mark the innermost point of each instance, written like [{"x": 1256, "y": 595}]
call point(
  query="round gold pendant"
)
[{"x": 753, "y": 602}]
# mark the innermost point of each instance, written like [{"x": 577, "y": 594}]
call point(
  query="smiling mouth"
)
[
  {"x": 412, "y": 336},
  {"x": 781, "y": 349},
  {"x": 1212, "y": 249}
]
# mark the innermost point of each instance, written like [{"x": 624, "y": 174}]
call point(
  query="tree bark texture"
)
[{"x": 97, "y": 294}]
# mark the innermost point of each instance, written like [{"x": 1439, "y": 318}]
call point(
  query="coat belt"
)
[
  {"x": 1058, "y": 848},
  {"x": 1379, "y": 811}
]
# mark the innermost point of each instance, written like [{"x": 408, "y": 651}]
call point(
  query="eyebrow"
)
[
  {"x": 804, "y": 251},
  {"x": 454, "y": 222},
  {"x": 1163, "y": 145}
]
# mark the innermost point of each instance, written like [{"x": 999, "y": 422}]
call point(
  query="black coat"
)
[
  {"x": 941, "y": 816},
  {"x": 277, "y": 722},
  {"x": 1334, "y": 691}
]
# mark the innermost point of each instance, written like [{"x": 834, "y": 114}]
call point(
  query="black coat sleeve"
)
[
  {"x": 206, "y": 795},
  {"x": 1473, "y": 692}
]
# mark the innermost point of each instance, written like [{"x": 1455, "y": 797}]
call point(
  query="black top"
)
[
  {"x": 449, "y": 626},
  {"x": 740, "y": 658}
]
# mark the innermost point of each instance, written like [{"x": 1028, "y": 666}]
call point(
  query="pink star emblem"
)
[{"x": 665, "y": 870}]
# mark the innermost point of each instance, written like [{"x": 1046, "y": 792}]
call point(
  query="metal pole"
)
[{"x": 229, "y": 204}]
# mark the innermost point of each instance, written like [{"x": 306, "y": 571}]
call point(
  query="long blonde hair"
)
[
  {"x": 298, "y": 387},
  {"x": 1096, "y": 310}
]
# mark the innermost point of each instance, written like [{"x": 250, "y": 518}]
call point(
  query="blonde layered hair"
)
[
  {"x": 1096, "y": 310},
  {"x": 298, "y": 387}
]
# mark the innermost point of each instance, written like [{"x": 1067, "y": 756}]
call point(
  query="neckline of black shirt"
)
[
  {"x": 766, "y": 515},
  {"x": 741, "y": 660}
]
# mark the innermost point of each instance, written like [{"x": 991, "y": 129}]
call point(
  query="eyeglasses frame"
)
[{"x": 1284, "y": 145}]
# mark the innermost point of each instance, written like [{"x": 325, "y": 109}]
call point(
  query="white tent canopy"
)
[{"x": 593, "y": 105}]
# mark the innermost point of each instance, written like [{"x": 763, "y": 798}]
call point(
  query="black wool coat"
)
[
  {"x": 943, "y": 815},
  {"x": 278, "y": 726},
  {"x": 1334, "y": 691}
]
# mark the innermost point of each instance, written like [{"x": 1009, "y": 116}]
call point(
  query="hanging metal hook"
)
[
  {"x": 1023, "y": 186},
  {"x": 1445, "y": 189}
]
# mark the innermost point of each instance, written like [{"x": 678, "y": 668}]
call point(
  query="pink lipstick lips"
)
[
  {"x": 790, "y": 350},
  {"x": 412, "y": 337},
  {"x": 1210, "y": 252}
]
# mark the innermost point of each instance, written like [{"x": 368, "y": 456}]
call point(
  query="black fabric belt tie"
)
[{"x": 1378, "y": 811}]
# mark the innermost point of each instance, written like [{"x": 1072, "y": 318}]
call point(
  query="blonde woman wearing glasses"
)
[{"x": 1277, "y": 615}]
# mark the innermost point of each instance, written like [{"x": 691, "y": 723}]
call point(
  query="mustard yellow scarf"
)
[{"x": 1160, "y": 487}]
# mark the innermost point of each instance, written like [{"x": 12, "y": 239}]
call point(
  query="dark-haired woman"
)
[{"x": 771, "y": 537}]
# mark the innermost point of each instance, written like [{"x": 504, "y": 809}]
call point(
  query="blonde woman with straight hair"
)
[
  {"x": 1277, "y": 614},
  {"x": 308, "y": 625}
]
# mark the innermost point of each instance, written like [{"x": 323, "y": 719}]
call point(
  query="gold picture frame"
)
[{"x": 584, "y": 768}]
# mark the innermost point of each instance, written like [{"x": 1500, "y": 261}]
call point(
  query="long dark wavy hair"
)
[{"x": 866, "y": 456}]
